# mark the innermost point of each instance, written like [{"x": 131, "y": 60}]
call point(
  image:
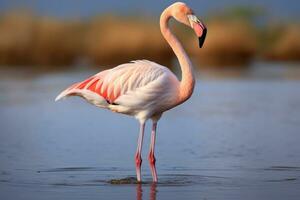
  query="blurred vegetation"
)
[
  {"x": 283, "y": 43},
  {"x": 113, "y": 40},
  {"x": 234, "y": 38},
  {"x": 242, "y": 13},
  {"x": 228, "y": 42}
]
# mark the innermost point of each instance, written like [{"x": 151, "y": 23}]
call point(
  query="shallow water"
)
[{"x": 237, "y": 138}]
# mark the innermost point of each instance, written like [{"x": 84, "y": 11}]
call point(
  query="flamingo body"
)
[{"x": 142, "y": 88}]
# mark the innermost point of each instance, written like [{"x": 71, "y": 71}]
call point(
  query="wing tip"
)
[
  {"x": 61, "y": 96},
  {"x": 57, "y": 99}
]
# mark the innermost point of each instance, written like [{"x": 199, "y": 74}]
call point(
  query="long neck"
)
[{"x": 187, "y": 82}]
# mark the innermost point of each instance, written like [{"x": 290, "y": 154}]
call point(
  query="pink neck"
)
[{"x": 187, "y": 82}]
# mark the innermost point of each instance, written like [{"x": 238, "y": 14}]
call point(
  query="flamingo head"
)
[{"x": 184, "y": 14}]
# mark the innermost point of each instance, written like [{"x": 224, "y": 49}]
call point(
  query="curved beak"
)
[
  {"x": 202, "y": 37},
  {"x": 199, "y": 28}
]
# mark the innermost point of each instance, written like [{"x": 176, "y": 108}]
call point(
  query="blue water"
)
[{"x": 236, "y": 138}]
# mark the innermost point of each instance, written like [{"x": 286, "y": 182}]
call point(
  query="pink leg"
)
[
  {"x": 138, "y": 157},
  {"x": 151, "y": 156}
]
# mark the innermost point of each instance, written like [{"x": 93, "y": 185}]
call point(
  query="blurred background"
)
[
  {"x": 50, "y": 34},
  {"x": 236, "y": 138}
]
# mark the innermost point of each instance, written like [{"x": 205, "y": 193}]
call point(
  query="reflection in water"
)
[
  {"x": 153, "y": 191},
  {"x": 139, "y": 191}
]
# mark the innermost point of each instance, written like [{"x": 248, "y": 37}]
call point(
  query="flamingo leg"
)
[
  {"x": 138, "y": 157},
  {"x": 151, "y": 156}
]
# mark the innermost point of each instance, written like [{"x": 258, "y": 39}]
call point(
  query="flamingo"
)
[{"x": 142, "y": 88}]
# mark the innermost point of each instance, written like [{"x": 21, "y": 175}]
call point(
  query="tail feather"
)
[
  {"x": 62, "y": 95},
  {"x": 88, "y": 89},
  {"x": 88, "y": 95},
  {"x": 67, "y": 92}
]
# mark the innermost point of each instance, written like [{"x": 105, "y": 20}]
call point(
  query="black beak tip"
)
[{"x": 202, "y": 38}]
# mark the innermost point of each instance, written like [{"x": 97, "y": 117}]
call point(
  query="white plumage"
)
[{"x": 140, "y": 88}]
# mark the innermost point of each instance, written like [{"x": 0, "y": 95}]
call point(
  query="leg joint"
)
[
  {"x": 138, "y": 160},
  {"x": 151, "y": 159}
]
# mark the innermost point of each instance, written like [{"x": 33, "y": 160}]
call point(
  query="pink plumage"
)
[{"x": 142, "y": 88}]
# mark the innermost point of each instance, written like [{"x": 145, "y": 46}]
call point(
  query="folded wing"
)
[{"x": 116, "y": 85}]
